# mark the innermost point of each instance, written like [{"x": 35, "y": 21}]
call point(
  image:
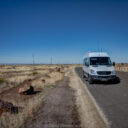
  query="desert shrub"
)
[
  {"x": 34, "y": 73},
  {"x": 13, "y": 67},
  {"x": 2, "y": 80}
]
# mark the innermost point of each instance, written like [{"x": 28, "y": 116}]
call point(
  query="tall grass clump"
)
[
  {"x": 2, "y": 80},
  {"x": 34, "y": 73}
]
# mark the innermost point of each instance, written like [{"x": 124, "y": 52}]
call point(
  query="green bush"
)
[
  {"x": 35, "y": 73},
  {"x": 2, "y": 80}
]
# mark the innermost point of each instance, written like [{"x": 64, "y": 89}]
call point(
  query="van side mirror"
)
[{"x": 114, "y": 63}]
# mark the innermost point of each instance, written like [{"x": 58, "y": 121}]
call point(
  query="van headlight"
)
[
  {"x": 92, "y": 71},
  {"x": 112, "y": 72}
]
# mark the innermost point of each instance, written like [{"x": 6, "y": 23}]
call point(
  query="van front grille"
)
[{"x": 104, "y": 72}]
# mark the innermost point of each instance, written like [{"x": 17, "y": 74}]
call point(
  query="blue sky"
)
[{"x": 62, "y": 29}]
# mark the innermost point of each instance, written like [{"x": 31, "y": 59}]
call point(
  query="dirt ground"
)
[{"x": 58, "y": 109}]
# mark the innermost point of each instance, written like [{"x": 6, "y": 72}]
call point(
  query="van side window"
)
[{"x": 86, "y": 61}]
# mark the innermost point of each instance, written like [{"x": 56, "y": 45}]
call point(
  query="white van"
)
[{"x": 98, "y": 66}]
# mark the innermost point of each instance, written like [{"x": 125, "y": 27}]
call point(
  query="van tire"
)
[{"x": 90, "y": 80}]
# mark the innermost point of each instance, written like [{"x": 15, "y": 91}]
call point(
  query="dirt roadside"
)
[
  {"x": 58, "y": 109},
  {"x": 90, "y": 114},
  {"x": 69, "y": 105}
]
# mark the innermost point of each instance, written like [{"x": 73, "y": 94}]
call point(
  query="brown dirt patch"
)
[{"x": 12, "y": 93}]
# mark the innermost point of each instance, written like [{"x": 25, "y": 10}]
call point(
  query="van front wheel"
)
[{"x": 90, "y": 80}]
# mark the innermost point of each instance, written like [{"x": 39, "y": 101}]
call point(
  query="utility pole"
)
[{"x": 33, "y": 59}]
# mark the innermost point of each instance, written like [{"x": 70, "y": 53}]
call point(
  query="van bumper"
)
[{"x": 103, "y": 78}]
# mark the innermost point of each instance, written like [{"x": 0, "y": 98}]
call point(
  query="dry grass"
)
[
  {"x": 8, "y": 120},
  {"x": 2, "y": 80},
  {"x": 121, "y": 67},
  {"x": 42, "y": 76}
]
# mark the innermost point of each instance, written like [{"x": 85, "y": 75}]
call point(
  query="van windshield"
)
[{"x": 100, "y": 61}]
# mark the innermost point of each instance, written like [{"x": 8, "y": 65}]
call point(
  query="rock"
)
[
  {"x": 4, "y": 104},
  {"x": 27, "y": 90},
  {"x": 43, "y": 81},
  {"x": 7, "y": 107},
  {"x": 58, "y": 69},
  {"x": 14, "y": 109},
  {"x": 23, "y": 89},
  {"x": 30, "y": 80}
]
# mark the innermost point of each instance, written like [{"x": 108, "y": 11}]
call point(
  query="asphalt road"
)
[{"x": 111, "y": 98}]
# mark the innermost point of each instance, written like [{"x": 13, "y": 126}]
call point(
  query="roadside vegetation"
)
[
  {"x": 34, "y": 73},
  {"x": 2, "y": 80},
  {"x": 42, "y": 79}
]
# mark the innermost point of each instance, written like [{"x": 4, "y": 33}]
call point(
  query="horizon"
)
[{"x": 62, "y": 31}]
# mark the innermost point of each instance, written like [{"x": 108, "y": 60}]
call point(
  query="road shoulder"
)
[{"x": 90, "y": 114}]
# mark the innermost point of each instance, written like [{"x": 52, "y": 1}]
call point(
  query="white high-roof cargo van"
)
[{"x": 98, "y": 66}]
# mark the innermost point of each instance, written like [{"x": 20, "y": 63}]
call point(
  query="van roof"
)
[{"x": 96, "y": 54}]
